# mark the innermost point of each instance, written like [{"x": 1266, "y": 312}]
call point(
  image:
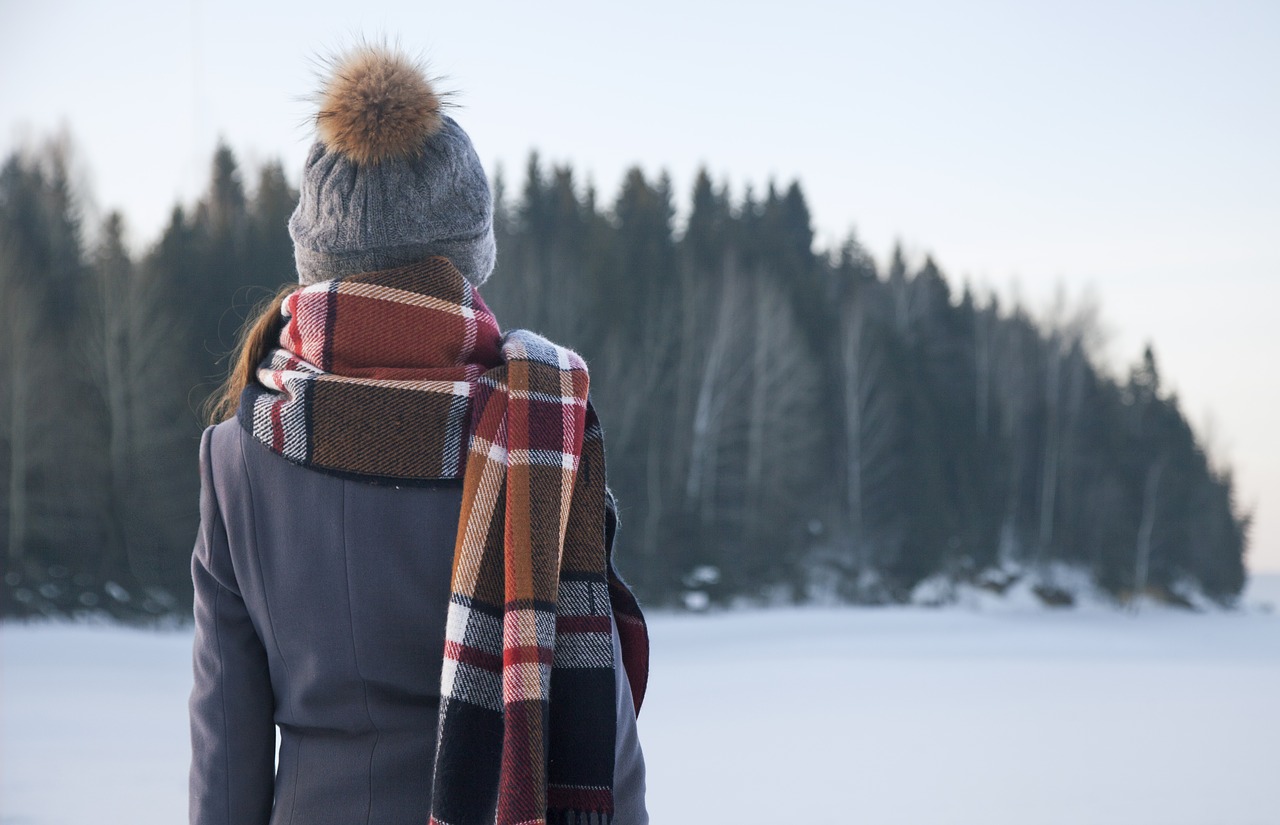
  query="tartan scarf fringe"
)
[
  {"x": 403, "y": 375},
  {"x": 564, "y": 817}
]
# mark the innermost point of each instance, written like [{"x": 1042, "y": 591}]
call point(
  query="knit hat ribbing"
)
[{"x": 390, "y": 180}]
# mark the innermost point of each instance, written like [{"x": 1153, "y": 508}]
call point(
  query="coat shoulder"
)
[{"x": 221, "y": 452}]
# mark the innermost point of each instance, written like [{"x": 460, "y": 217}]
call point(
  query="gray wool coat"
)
[{"x": 320, "y": 610}]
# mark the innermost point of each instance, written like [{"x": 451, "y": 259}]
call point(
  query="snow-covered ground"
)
[{"x": 877, "y": 716}]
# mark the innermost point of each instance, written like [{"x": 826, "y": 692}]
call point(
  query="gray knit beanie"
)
[{"x": 390, "y": 180}]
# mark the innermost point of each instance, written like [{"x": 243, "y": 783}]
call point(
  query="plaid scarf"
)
[{"x": 402, "y": 375}]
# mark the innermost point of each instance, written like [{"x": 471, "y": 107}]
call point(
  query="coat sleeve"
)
[
  {"x": 628, "y": 760},
  {"x": 232, "y": 705}
]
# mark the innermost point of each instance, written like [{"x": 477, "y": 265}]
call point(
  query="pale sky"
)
[{"x": 1124, "y": 149}]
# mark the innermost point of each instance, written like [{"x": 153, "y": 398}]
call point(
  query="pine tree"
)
[{"x": 777, "y": 416}]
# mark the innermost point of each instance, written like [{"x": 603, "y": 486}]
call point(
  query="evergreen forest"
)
[{"x": 783, "y": 423}]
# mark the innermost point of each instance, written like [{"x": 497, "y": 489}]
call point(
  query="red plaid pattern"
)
[{"x": 403, "y": 375}]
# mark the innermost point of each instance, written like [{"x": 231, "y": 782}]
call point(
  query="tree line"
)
[{"x": 782, "y": 423}]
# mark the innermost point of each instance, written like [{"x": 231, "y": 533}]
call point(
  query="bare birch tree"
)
[
  {"x": 1146, "y": 527},
  {"x": 869, "y": 427}
]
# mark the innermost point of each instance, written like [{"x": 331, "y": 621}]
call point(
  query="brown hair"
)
[{"x": 260, "y": 333}]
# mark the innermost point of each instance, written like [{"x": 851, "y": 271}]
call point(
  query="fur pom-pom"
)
[{"x": 377, "y": 105}]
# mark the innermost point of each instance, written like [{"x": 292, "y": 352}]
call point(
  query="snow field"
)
[
  {"x": 909, "y": 716},
  {"x": 876, "y": 716}
]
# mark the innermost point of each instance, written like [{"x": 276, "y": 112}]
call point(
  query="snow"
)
[
  {"x": 93, "y": 725},
  {"x": 956, "y": 716},
  {"x": 1263, "y": 593}
]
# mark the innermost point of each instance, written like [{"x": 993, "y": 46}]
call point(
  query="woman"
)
[{"x": 404, "y": 558}]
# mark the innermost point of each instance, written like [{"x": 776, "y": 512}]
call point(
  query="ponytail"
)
[{"x": 257, "y": 338}]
